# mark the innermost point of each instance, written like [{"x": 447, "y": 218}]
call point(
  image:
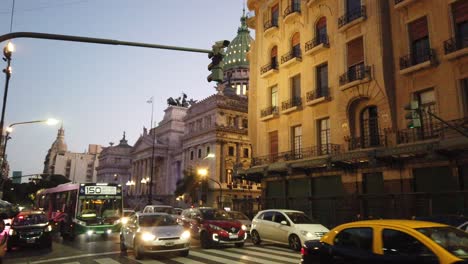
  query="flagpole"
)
[{"x": 150, "y": 185}]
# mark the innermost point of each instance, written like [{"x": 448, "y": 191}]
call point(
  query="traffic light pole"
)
[{"x": 445, "y": 122}]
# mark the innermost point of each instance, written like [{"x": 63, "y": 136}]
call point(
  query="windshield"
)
[
  {"x": 452, "y": 239},
  {"x": 128, "y": 213},
  {"x": 167, "y": 210},
  {"x": 92, "y": 210},
  {"x": 238, "y": 215},
  {"x": 300, "y": 218},
  {"x": 214, "y": 214},
  {"x": 32, "y": 219},
  {"x": 157, "y": 220}
]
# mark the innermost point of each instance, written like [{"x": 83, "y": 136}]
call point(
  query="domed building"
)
[{"x": 218, "y": 125}]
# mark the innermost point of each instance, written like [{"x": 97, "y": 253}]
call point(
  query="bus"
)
[{"x": 83, "y": 208}]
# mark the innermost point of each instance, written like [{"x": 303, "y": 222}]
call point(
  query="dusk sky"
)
[{"x": 99, "y": 91}]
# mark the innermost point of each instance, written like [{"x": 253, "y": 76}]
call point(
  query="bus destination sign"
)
[{"x": 100, "y": 190}]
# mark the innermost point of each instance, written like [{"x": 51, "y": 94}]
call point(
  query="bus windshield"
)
[{"x": 99, "y": 211}]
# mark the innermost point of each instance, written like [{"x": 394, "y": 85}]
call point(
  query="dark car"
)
[
  {"x": 214, "y": 227},
  {"x": 30, "y": 228}
]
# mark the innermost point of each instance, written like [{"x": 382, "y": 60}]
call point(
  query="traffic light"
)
[
  {"x": 216, "y": 66},
  {"x": 413, "y": 115}
]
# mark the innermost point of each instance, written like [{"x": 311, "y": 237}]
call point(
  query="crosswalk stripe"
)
[
  {"x": 222, "y": 260},
  {"x": 187, "y": 260},
  {"x": 72, "y": 257},
  {"x": 105, "y": 261},
  {"x": 275, "y": 250},
  {"x": 241, "y": 256},
  {"x": 72, "y": 262},
  {"x": 260, "y": 254},
  {"x": 152, "y": 261}
]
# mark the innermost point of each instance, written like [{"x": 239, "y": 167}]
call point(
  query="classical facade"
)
[
  {"x": 77, "y": 167},
  {"x": 115, "y": 164},
  {"x": 157, "y": 154},
  {"x": 218, "y": 125},
  {"x": 329, "y": 81}
]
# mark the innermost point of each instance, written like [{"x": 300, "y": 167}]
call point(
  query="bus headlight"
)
[
  {"x": 124, "y": 220},
  {"x": 147, "y": 237},
  {"x": 185, "y": 235},
  {"x": 89, "y": 232}
]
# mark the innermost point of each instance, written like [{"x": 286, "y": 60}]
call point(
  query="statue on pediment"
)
[{"x": 180, "y": 101}]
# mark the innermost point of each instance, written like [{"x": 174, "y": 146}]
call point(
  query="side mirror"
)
[{"x": 284, "y": 222}]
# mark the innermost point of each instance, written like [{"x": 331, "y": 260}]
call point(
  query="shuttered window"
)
[
  {"x": 274, "y": 15},
  {"x": 355, "y": 52},
  {"x": 460, "y": 11},
  {"x": 321, "y": 29},
  {"x": 296, "y": 44},
  {"x": 274, "y": 57},
  {"x": 273, "y": 143},
  {"x": 418, "y": 29},
  {"x": 296, "y": 86}
]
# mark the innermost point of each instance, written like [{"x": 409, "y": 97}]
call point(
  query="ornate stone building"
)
[
  {"x": 77, "y": 167},
  {"x": 329, "y": 81},
  {"x": 115, "y": 165},
  {"x": 218, "y": 125}
]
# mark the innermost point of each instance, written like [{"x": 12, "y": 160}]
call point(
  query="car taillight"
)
[{"x": 304, "y": 251}]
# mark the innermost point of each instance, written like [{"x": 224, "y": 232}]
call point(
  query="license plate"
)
[
  {"x": 233, "y": 236},
  {"x": 30, "y": 241},
  {"x": 169, "y": 244}
]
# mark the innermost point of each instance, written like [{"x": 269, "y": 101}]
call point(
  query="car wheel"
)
[
  {"x": 205, "y": 240},
  {"x": 123, "y": 248},
  {"x": 255, "y": 236},
  {"x": 184, "y": 253},
  {"x": 239, "y": 245},
  {"x": 295, "y": 242},
  {"x": 138, "y": 251}
]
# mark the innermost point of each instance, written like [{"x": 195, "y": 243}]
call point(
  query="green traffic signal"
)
[{"x": 413, "y": 115}]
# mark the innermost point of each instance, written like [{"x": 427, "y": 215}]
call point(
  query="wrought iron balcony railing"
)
[
  {"x": 453, "y": 44},
  {"x": 294, "y": 53},
  {"x": 420, "y": 56},
  {"x": 432, "y": 130},
  {"x": 294, "y": 8},
  {"x": 270, "y": 24},
  {"x": 312, "y": 95},
  {"x": 270, "y": 66},
  {"x": 271, "y": 110},
  {"x": 352, "y": 15},
  {"x": 357, "y": 72},
  {"x": 398, "y": 1},
  {"x": 302, "y": 153},
  {"x": 316, "y": 41},
  {"x": 368, "y": 141},
  {"x": 295, "y": 101}
]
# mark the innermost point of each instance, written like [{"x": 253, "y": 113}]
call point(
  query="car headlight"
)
[
  {"x": 48, "y": 228},
  {"x": 215, "y": 227},
  {"x": 12, "y": 232},
  {"x": 307, "y": 234},
  {"x": 124, "y": 220},
  {"x": 83, "y": 223},
  {"x": 185, "y": 235},
  {"x": 147, "y": 236},
  {"x": 244, "y": 227}
]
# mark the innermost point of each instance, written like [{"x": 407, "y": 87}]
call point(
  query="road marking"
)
[
  {"x": 240, "y": 256},
  {"x": 252, "y": 252},
  {"x": 206, "y": 256},
  {"x": 275, "y": 250},
  {"x": 187, "y": 260},
  {"x": 72, "y": 262},
  {"x": 106, "y": 261},
  {"x": 73, "y": 257}
]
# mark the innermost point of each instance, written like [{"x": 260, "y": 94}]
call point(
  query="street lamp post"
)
[
  {"x": 203, "y": 173},
  {"x": 7, "y": 52},
  {"x": 150, "y": 181}
]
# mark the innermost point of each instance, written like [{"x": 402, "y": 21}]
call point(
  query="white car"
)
[
  {"x": 154, "y": 233},
  {"x": 288, "y": 227}
]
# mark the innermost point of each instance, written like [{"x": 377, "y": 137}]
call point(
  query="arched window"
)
[
  {"x": 321, "y": 31},
  {"x": 296, "y": 44},
  {"x": 274, "y": 57},
  {"x": 369, "y": 122}
]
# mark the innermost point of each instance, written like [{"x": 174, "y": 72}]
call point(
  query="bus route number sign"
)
[{"x": 102, "y": 190}]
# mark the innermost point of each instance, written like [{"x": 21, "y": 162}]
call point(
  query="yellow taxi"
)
[{"x": 389, "y": 241}]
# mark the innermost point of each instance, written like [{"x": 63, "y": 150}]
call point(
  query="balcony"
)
[
  {"x": 291, "y": 105},
  {"x": 317, "y": 96},
  {"x": 268, "y": 113},
  {"x": 298, "y": 154},
  {"x": 399, "y": 4},
  {"x": 455, "y": 48},
  {"x": 291, "y": 12},
  {"x": 355, "y": 75},
  {"x": 351, "y": 18},
  {"x": 270, "y": 26},
  {"x": 291, "y": 58},
  {"x": 317, "y": 44},
  {"x": 421, "y": 59},
  {"x": 269, "y": 69},
  {"x": 369, "y": 141}
]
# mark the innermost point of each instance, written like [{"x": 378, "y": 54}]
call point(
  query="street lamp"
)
[
  {"x": 203, "y": 172},
  {"x": 129, "y": 183}
]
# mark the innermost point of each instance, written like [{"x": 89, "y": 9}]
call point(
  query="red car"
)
[{"x": 214, "y": 227}]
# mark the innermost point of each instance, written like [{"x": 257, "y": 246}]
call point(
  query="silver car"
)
[
  {"x": 154, "y": 233},
  {"x": 241, "y": 217}
]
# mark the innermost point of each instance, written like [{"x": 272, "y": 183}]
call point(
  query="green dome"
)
[{"x": 237, "y": 50}]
